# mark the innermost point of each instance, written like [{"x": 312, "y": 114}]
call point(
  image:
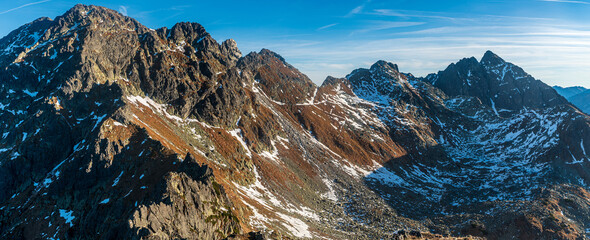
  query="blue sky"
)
[{"x": 550, "y": 39}]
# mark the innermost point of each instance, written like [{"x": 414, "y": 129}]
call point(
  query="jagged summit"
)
[
  {"x": 334, "y": 85},
  {"x": 383, "y": 82},
  {"x": 497, "y": 83},
  {"x": 491, "y": 59},
  {"x": 80, "y": 11},
  {"x": 330, "y": 81},
  {"x": 471, "y": 61},
  {"x": 111, "y": 130},
  {"x": 98, "y": 17},
  {"x": 383, "y": 65},
  {"x": 190, "y": 32},
  {"x": 379, "y": 68},
  {"x": 267, "y": 52},
  {"x": 280, "y": 80}
]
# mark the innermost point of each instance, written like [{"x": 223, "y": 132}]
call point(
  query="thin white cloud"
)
[
  {"x": 557, "y": 56},
  {"x": 449, "y": 16},
  {"x": 24, "y": 5},
  {"x": 494, "y": 31},
  {"x": 123, "y": 10},
  {"x": 327, "y": 26},
  {"x": 556, "y": 51},
  {"x": 384, "y": 25},
  {"x": 413, "y": 14},
  {"x": 567, "y": 1},
  {"x": 358, "y": 9}
]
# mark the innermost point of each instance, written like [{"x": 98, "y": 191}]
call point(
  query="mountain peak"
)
[
  {"x": 81, "y": 10},
  {"x": 497, "y": 83},
  {"x": 468, "y": 61},
  {"x": 490, "y": 58},
  {"x": 131, "y": 120},
  {"x": 382, "y": 64},
  {"x": 230, "y": 48},
  {"x": 190, "y": 32},
  {"x": 332, "y": 81},
  {"x": 277, "y": 78},
  {"x": 98, "y": 17},
  {"x": 269, "y": 53}
]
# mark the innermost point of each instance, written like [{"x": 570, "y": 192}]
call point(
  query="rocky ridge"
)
[{"x": 114, "y": 130}]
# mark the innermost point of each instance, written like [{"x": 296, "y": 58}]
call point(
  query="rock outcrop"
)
[
  {"x": 114, "y": 130},
  {"x": 497, "y": 83}
]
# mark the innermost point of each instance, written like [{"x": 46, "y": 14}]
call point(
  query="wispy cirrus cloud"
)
[
  {"x": 358, "y": 9},
  {"x": 384, "y": 25},
  {"x": 449, "y": 17},
  {"x": 553, "y": 49},
  {"x": 23, "y": 6},
  {"x": 556, "y": 53},
  {"x": 413, "y": 14},
  {"x": 169, "y": 12},
  {"x": 327, "y": 26},
  {"x": 123, "y": 10},
  {"x": 567, "y": 1}
]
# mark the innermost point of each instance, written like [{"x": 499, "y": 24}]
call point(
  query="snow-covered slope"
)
[
  {"x": 114, "y": 130},
  {"x": 470, "y": 154}
]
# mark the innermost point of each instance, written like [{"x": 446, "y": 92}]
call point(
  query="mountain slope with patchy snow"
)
[{"x": 114, "y": 130}]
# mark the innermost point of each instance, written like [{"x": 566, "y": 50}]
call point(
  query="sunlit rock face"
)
[{"x": 113, "y": 130}]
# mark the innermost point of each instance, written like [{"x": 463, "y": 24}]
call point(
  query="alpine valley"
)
[{"x": 112, "y": 130}]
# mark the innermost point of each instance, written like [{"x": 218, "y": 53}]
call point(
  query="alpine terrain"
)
[
  {"x": 579, "y": 96},
  {"x": 112, "y": 130}
]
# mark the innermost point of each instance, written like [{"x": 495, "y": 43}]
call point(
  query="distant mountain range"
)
[
  {"x": 579, "y": 96},
  {"x": 112, "y": 130}
]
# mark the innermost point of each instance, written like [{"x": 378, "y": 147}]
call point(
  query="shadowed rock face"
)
[
  {"x": 481, "y": 156},
  {"x": 497, "y": 83},
  {"x": 113, "y": 130},
  {"x": 68, "y": 128}
]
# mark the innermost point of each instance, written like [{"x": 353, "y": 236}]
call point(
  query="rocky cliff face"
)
[
  {"x": 484, "y": 157},
  {"x": 113, "y": 130},
  {"x": 497, "y": 83}
]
